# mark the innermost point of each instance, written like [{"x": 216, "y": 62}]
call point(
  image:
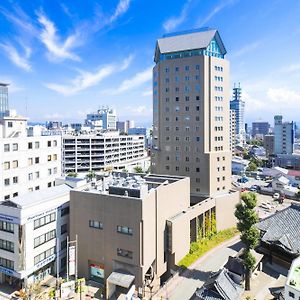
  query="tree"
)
[
  {"x": 247, "y": 218},
  {"x": 138, "y": 169},
  {"x": 252, "y": 166},
  {"x": 90, "y": 175},
  {"x": 72, "y": 174}
]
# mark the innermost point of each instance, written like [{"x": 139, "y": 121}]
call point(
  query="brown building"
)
[
  {"x": 269, "y": 144},
  {"x": 191, "y": 134}
]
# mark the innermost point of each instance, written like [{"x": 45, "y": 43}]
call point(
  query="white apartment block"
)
[
  {"x": 101, "y": 151},
  {"x": 29, "y": 226},
  {"x": 29, "y": 159}
]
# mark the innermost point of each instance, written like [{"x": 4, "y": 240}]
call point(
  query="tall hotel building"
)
[{"x": 191, "y": 134}]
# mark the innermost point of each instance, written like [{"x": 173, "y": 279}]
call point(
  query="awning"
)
[{"x": 120, "y": 279}]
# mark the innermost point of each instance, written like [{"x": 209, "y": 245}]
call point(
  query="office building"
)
[
  {"x": 4, "y": 107},
  {"x": 269, "y": 144},
  {"x": 104, "y": 119},
  {"x": 30, "y": 158},
  {"x": 238, "y": 105},
  {"x": 104, "y": 151},
  {"x": 138, "y": 229},
  {"x": 130, "y": 124},
  {"x": 232, "y": 128},
  {"x": 284, "y": 136},
  {"x": 33, "y": 233},
  {"x": 260, "y": 128},
  {"x": 191, "y": 135}
]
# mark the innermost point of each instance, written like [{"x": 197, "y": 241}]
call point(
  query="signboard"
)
[
  {"x": 97, "y": 270},
  {"x": 66, "y": 288},
  {"x": 72, "y": 260}
]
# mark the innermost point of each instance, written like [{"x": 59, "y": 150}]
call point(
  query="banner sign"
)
[{"x": 72, "y": 260}]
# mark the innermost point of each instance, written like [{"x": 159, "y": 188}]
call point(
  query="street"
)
[{"x": 183, "y": 287}]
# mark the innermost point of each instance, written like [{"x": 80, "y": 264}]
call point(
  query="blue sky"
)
[{"x": 66, "y": 58}]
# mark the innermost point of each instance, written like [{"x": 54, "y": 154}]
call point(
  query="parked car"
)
[
  {"x": 243, "y": 180},
  {"x": 276, "y": 196}
]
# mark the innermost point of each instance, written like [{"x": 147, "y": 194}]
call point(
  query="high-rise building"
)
[
  {"x": 104, "y": 119},
  {"x": 191, "y": 135},
  {"x": 260, "y": 128},
  {"x": 238, "y": 105},
  {"x": 284, "y": 136},
  {"x": 3, "y": 99}
]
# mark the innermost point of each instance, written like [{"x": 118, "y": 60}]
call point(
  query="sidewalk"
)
[{"x": 168, "y": 289}]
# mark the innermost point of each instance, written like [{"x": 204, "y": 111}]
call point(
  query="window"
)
[
  {"x": 30, "y": 161},
  {"x": 6, "y": 197},
  {"x": 37, "y": 174},
  {"x": 6, "y": 165},
  {"x": 30, "y": 145},
  {"x": 44, "y": 238},
  {"x": 44, "y": 220},
  {"x": 197, "y": 98},
  {"x": 37, "y": 145},
  {"x": 63, "y": 245},
  {"x": 186, "y": 68},
  {"x": 37, "y": 160},
  {"x": 197, "y": 170},
  {"x": 6, "y": 148},
  {"x": 6, "y": 181},
  {"x": 15, "y": 147},
  {"x": 15, "y": 194},
  {"x": 7, "y": 226},
  {"x": 49, "y": 184},
  {"x": 15, "y": 164},
  {"x": 95, "y": 224},
  {"x": 124, "y": 253},
  {"x": 177, "y": 99},
  {"x": 49, "y": 157},
  {"x": 37, "y": 188},
  {"x": 124, "y": 230},
  {"x": 176, "y": 69},
  {"x": 187, "y": 98},
  {"x": 55, "y": 143},
  {"x": 54, "y": 156},
  {"x": 49, "y": 143},
  {"x": 49, "y": 172},
  {"x": 63, "y": 228},
  {"x": 15, "y": 179},
  {"x": 65, "y": 211},
  {"x": 10, "y": 124},
  {"x": 197, "y": 67},
  {"x": 197, "y": 180},
  {"x": 30, "y": 176},
  {"x": 40, "y": 257},
  {"x": 6, "y": 263}
]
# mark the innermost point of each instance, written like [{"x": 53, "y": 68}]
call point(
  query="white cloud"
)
[
  {"x": 147, "y": 93},
  {"x": 129, "y": 84},
  {"x": 87, "y": 79},
  {"x": 283, "y": 96},
  {"x": 140, "y": 111},
  {"x": 22, "y": 61},
  {"x": 174, "y": 22},
  {"x": 215, "y": 11},
  {"x": 121, "y": 9},
  {"x": 291, "y": 68},
  {"x": 57, "y": 49},
  {"x": 247, "y": 48}
]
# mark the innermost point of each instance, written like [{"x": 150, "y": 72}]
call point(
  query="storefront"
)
[{"x": 96, "y": 272}]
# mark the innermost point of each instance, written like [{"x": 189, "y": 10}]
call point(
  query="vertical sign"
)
[{"x": 72, "y": 260}]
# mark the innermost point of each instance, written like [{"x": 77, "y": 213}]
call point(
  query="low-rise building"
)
[
  {"x": 239, "y": 165},
  {"x": 292, "y": 285},
  {"x": 98, "y": 152},
  {"x": 131, "y": 230}
]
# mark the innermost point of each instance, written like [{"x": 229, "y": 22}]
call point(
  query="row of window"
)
[
  {"x": 218, "y": 118},
  {"x": 218, "y": 78},
  {"x": 44, "y": 220},
  {"x": 186, "y": 98},
  {"x": 186, "y": 68},
  {"x": 120, "y": 229},
  {"x": 218, "y": 98},
  {"x": 219, "y": 88},
  {"x": 14, "y": 181},
  {"x": 6, "y": 263},
  {"x": 177, "y": 79},
  {"x": 219, "y": 148},
  {"x": 40, "y": 257},
  {"x": 7, "y": 197},
  {"x": 124, "y": 253},
  {"x": 7, "y": 165},
  {"x": 186, "y": 89},
  {"x": 6, "y": 226},
  {"x": 217, "y": 68},
  {"x": 13, "y": 147},
  {"x": 218, "y": 138},
  {"x": 44, "y": 238},
  {"x": 37, "y": 144},
  {"x": 7, "y": 245}
]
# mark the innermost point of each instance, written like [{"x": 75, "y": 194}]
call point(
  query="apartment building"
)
[
  {"x": 191, "y": 134},
  {"x": 30, "y": 160},
  {"x": 284, "y": 136},
  {"x": 98, "y": 152},
  {"x": 131, "y": 229}
]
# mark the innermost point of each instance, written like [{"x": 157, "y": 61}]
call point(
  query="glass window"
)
[
  {"x": 6, "y": 165},
  {"x": 6, "y": 148},
  {"x": 37, "y": 145},
  {"x": 15, "y": 147},
  {"x": 30, "y": 145}
]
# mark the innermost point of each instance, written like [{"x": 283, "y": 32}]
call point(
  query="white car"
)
[{"x": 276, "y": 196}]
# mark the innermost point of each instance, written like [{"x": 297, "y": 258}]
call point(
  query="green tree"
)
[
  {"x": 247, "y": 218},
  {"x": 72, "y": 174},
  {"x": 90, "y": 175},
  {"x": 138, "y": 169},
  {"x": 252, "y": 166}
]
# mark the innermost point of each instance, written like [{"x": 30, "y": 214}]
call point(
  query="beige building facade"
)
[{"x": 191, "y": 134}]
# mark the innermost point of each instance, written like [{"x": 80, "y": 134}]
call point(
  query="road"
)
[{"x": 184, "y": 287}]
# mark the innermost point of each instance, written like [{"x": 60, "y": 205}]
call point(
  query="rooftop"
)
[
  {"x": 282, "y": 229},
  {"x": 38, "y": 197}
]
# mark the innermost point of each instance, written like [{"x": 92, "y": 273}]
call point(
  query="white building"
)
[
  {"x": 33, "y": 232},
  {"x": 104, "y": 119},
  {"x": 98, "y": 152},
  {"x": 30, "y": 160},
  {"x": 292, "y": 285}
]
